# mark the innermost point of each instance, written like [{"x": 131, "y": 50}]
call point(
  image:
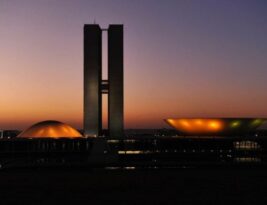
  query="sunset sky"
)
[{"x": 182, "y": 58}]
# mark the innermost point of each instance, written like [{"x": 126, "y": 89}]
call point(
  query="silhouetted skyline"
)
[{"x": 181, "y": 59}]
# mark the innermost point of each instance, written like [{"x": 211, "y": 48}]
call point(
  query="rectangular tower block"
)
[
  {"x": 92, "y": 80},
  {"x": 115, "y": 78}
]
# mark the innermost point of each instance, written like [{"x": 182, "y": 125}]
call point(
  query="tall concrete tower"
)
[
  {"x": 115, "y": 76},
  {"x": 92, "y": 80},
  {"x": 95, "y": 86}
]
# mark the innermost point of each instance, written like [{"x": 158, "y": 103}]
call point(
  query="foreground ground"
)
[{"x": 168, "y": 186}]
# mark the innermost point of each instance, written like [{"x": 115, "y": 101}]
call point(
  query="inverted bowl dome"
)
[
  {"x": 50, "y": 129},
  {"x": 215, "y": 126}
]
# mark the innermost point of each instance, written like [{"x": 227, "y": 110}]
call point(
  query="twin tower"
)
[{"x": 95, "y": 86}]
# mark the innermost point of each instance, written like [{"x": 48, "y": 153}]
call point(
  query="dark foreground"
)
[{"x": 166, "y": 186}]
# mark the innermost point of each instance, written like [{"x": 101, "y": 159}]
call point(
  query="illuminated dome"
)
[
  {"x": 50, "y": 129},
  {"x": 215, "y": 126}
]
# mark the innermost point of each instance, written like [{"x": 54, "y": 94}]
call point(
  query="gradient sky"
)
[{"x": 182, "y": 59}]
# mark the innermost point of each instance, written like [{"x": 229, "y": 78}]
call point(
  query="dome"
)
[
  {"x": 50, "y": 129},
  {"x": 215, "y": 126}
]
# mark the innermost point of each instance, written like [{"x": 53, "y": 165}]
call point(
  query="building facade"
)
[{"x": 94, "y": 84}]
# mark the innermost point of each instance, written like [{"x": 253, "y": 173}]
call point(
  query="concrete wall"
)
[
  {"x": 92, "y": 80},
  {"x": 115, "y": 76}
]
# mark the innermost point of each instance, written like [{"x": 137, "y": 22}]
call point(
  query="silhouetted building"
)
[
  {"x": 95, "y": 86},
  {"x": 194, "y": 142},
  {"x": 115, "y": 75},
  {"x": 8, "y": 134},
  {"x": 92, "y": 80}
]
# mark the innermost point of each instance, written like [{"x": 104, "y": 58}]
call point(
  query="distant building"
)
[
  {"x": 8, "y": 134},
  {"x": 193, "y": 142}
]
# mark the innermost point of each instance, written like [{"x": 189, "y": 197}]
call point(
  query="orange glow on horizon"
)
[{"x": 196, "y": 67}]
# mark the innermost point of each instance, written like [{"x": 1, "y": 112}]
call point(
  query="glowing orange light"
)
[
  {"x": 185, "y": 123},
  {"x": 197, "y": 125},
  {"x": 199, "y": 122},
  {"x": 50, "y": 129},
  {"x": 214, "y": 125}
]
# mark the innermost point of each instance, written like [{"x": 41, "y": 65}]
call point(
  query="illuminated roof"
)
[
  {"x": 215, "y": 126},
  {"x": 50, "y": 129}
]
